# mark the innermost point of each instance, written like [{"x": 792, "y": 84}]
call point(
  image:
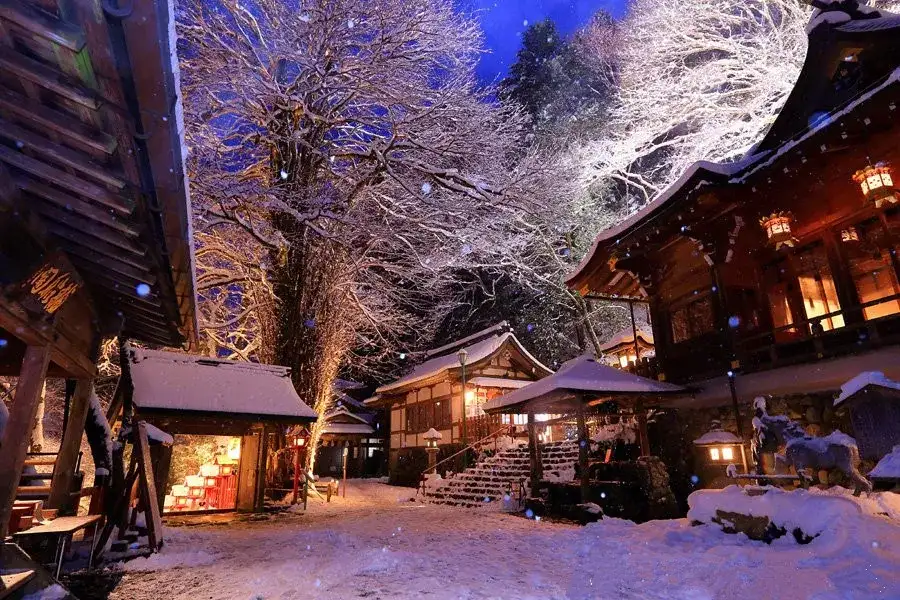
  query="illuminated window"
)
[
  {"x": 872, "y": 271},
  {"x": 817, "y": 288},
  {"x": 714, "y": 453},
  {"x": 727, "y": 453}
]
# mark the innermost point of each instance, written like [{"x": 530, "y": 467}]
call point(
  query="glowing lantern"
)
[
  {"x": 778, "y": 229},
  {"x": 849, "y": 235},
  {"x": 877, "y": 184}
]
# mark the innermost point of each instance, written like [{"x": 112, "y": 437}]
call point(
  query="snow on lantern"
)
[
  {"x": 778, "y": 229},
  {"x": 877, "y": 184},
  {"x": 721, "y": 447}
]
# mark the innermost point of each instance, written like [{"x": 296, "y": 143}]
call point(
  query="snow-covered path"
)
[{"x": 372, "y": 546}]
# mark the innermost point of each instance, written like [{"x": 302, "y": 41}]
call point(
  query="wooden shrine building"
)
[
  {"x": 95, "y": 235},
  {"x": 187, "y": 394},
  {"x": 433, "y": 394},
  {"x": 778, "y": 274}
]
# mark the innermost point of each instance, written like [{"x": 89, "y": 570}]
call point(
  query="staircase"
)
[{"x": 491, "y": 479}]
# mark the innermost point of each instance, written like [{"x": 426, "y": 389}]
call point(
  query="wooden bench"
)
[{"x": 63, "y": 528}]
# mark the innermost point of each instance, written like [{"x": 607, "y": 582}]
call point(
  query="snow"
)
[
  {"x": 157, "y": 434},
  {"x": 100, "y": 420},
  {"x": 888, "y": 467},
  {"x": 371, "y": 545},
  {"x": 4, "y": 417},
  {"x": 498, "y": 382},
  {"x": 362, "y": 428},
  {"x": 862, "y": 380},
  {"x": 833, "y": 17},
  {"x": 717, "y": 437},
  {"x": 175, "y": 381},
  {"x": 819, "y": 445},
  {"x": 53, "y": 592},
  {"x": 626, "y": 336},
  {"x": 582, "y": 374},
  {"x": 476, "y": 352}
]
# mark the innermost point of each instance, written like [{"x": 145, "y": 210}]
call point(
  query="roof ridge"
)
[{"x": 501, "y": 327}]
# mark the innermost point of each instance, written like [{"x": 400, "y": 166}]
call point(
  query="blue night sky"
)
[{"x": 504, "y": 20}]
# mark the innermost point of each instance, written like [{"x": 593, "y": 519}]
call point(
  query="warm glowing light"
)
[
  {"x": 778, "y": 229},
  {"x": 849, "y": 235},
  {"x": 877, "y": 184},
  {"x": 727, "y": 453},
  {"x": 234, "y": 448},
  {"x": 623, "y": 361},
  {"x": 714, "y": 453},
  {"x": 470, "y": 396}
]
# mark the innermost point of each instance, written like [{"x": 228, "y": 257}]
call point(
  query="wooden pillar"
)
[
  {"x": 18, "y": 429},
  {"x": 70, "y": 446},
  {"x": 839, "y": 264},
  {"x": 247, "y": 471},
  {"x": 583, "y": 447},
  {"x": 641, "y": 415},
  {"x": 534, "y": 455}
]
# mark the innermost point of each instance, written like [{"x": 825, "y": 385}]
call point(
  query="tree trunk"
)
[{"x": 37, "y": 429}]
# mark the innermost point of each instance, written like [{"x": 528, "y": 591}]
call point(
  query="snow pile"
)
[
  {"x": 717, "y": 436},
  {"x": 563, "y": 474},
  {"x": 862, "y": 380},
  {"x": 434, "y": 481},
  {"x": 53, "y": 592},
  {"x": 888, "y": 467},
  {"x": 163, "y": 561},
  {"x": 833, "y": 17},
  {"x": 618, "y": 431},
  {"x": 874, "y": 504},
  {"x": 506, "y": 442},
  {"x": 799, "y": 509}
]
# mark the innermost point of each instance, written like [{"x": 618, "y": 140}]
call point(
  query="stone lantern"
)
[
  {"x": 432, "y": 437},
  {"x": 716, "y": 449}
]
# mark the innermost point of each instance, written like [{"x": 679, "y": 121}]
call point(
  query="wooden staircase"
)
[{"x": 490, "y": 480}]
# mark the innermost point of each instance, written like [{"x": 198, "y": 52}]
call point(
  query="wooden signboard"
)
[{"x": 46, "y": 290}]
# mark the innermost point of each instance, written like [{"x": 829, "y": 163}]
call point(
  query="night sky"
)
[{"x": 504, "y": 20}]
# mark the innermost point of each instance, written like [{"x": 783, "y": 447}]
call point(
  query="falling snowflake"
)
[
  {"x": 304, "y": 18},
  {"x": 3, "y": 343},
  {"x": 310, "y": 323},
  {"x": 734, "y": 321},
  {"x": 143, "y": 290},
  {"x": 466, "y": 249},
  {"x": 402, "y": 356},
  {"x": 426, "y": 188},
  {"x": 350, "y": 24},
  {"x": 525, "y": 23},
  {"x": 283, "y": 174}
]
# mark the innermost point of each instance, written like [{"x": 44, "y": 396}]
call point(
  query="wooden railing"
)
[{"x": 483, "y": 426}]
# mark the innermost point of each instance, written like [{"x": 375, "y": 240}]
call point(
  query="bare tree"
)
[
  {"x": 345, "y": 164},
  {"x": 697, "y": 80}
]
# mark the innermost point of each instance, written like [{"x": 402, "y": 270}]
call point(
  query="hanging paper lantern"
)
[
  {"x": 877, "y": 184},
  {"x": 849, "y": 235},
  {"x": 778, "y": 229}
]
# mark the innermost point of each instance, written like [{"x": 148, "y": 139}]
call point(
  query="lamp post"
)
[
  {"x": 298, "y": 444},
  {"x": 463, "y": 356}
]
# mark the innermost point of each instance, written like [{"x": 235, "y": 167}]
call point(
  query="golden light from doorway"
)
[
  {"x": 778, "y": 229},
  {"x": 850, "y": 234},
  {"x": 877, "y": 184},
  {"x": 234, "y": 448},
  {"x": 625, "y": 359}
]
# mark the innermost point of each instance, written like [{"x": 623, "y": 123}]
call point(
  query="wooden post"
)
[
  {"x": 344, "y": 482},
  {"x": 534, "y": 455},
  {"x": 147, "y": 487},
  {"x": 70, "y": 446},
  {"x": 642, "y": 428},
  {"x": 583, "y": 447},
  {"x": 634, "y": 332},
  {"x": 18, "y": 430}
]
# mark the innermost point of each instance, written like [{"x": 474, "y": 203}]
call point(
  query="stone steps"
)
[{"x": 493, "y": 477}]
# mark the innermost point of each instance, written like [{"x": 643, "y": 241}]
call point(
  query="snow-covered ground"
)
[{"x": 374, "y": 546}]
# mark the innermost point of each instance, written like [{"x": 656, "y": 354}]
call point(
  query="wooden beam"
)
[
  {"x": 86, "y": 226},
  {"x": 124, "y": 252},
  {"x": 17, "y": 433},
  {"x": 64, "y": 472},
  {"x": 42, "y": 24},
  {"x": 37, "y": 144},
  {"x": 53, "y": 120},
  {"x": 147, "y": 487},
  {"x": 46, "y": 77},
  {"x": 583, "y": 447},
  {"x": 43, "y": 171}
]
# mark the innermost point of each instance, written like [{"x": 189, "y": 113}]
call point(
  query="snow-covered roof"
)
[
  {"x": 717, "y": 436},
  {"x": 476, "y": 352},
  {"x": 499, "y": 382},
  {"x": 156, "y": 434},
  {"x": 342, "y": 411},
  {"x": 362, "y": 428},
  {"x": 171, "y": 381},
  {"x": 580, "y": 377},
  {"x": 447, "y": 348},
  {"x": 626, "y": 336},
  {"x": 372, "y": 400},
  {"x": 864, "y": 380},
  {"x": 888, "y": 467}
]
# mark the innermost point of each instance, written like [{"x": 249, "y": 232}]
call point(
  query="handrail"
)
[
  {"x": 473, "y": 445},
  {"x": 799, "y": 325}
]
